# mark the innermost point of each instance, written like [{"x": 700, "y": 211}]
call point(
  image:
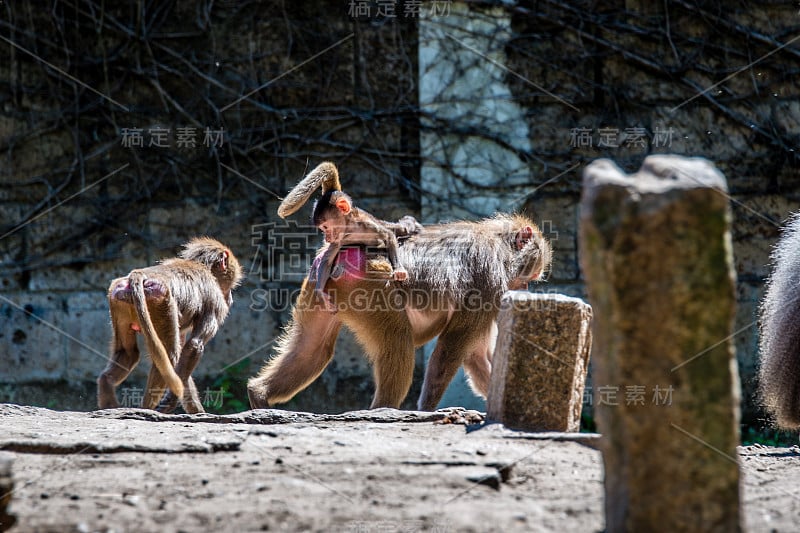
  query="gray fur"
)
[{"x": 779, "y": 372}]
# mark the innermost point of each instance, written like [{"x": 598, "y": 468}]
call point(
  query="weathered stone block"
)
[
  {"x": 88, "y": 324},
  {"x": 89, "y": 278},
  {"x": 557, "y": 218},
  {"x": 246, "y": 334},
  {"x": 656, "y": 251},
  {"x": 179, "y": 223},
  {"x": 755, "y": 231},
  {"x": 540, "y": 362},
  {"x": 31, "y": 337}
]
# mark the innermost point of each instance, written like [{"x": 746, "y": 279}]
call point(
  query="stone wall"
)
[
  {"x": 155, "y": 143},
  {"x": 458, "y": 109},
  {"x": 537, "y": 90}
]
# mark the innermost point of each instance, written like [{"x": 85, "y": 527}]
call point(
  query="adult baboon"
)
[
  {"x": 779, "y": 371},
  {"x": 187, "y": 294},
  {"x": 457, "y": 274}
]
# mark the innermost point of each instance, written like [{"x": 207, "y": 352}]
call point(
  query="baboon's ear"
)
[
  {"x": 223, "y": 260},
  {"x": 523, "y": 236},
  {"x": 343, "y": 204}
]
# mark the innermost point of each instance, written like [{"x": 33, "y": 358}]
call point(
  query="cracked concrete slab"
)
[{"x": 382, "y": 470}]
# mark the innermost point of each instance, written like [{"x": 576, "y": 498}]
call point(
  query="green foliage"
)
[
  {"x": 768, "y": 437},
  {"x": 232, "y": 382},
  {"x": 750, "y": 434},
  {"x": 588, "y": 424}
]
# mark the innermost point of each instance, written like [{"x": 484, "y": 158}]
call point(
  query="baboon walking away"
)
[
  {"x": 187, "y": 294},
  {"x": 457, "y": 273}
]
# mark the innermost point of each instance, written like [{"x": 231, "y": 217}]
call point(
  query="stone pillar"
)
[
  {"x": 540, "y": 362},
  {"x": 6, "y": 490},
  {"x": 656, "y": 251}
]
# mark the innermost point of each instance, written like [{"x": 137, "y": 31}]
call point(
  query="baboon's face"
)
[{"x": 333, "y": 228}]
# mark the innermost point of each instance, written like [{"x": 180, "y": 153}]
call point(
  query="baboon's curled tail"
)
[
  {"x": 325, "y": 174},
  {"x": 158, "y": 353},
  {"x": 779, "y": 372}
]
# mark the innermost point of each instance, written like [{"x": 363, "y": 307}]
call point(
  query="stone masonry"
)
[
  {"x": 656, "y": 250},
  {"x": 540, "y": 362}
]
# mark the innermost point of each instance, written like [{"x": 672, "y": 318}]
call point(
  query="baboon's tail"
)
[
  {"x": 325, "y": 174},
  {"x": 779, "y": 371},
  {"x": 158, "y": 353}
]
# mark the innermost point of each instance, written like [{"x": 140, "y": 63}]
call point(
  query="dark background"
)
[{"x": 79, "y": 207}]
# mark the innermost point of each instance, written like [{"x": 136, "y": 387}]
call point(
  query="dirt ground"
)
[{"x": 383, "y": 470}]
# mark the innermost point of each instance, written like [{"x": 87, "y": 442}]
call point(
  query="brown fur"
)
[
  {"x": 189, "y": 293},
  {"x": 324, "y": 175},
  {"x": 457, "y": 274}
]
